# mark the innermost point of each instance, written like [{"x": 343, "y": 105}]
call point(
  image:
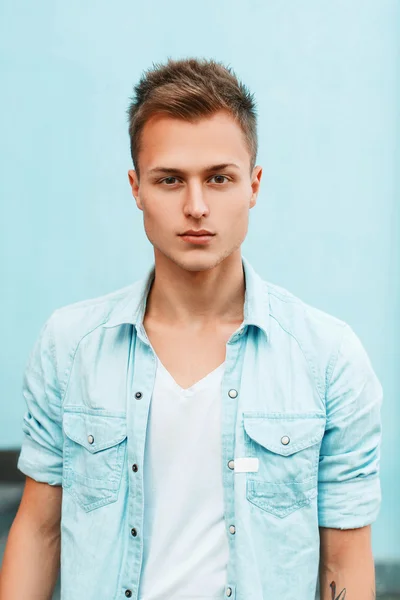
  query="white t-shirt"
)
[{"x": 185, "y": 538}]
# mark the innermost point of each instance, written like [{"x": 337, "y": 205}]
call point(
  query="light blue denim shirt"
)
[{"x": 299, "y": 395}]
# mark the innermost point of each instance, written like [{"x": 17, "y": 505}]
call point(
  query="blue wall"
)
[{"x": 326, "y": 225}]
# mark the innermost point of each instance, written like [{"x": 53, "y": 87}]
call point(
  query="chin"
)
[
  {"x": 196, "y": 263},
  {"x": 193, "y": 261},
  {"x": 202, "y": 263}
]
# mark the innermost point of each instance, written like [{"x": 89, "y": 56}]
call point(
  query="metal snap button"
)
[
  {"x": 90, "y": 439},
  {"x": 285, "y": 440},
  {"x": 138, "y": 395},
  {"x": 232, "y": 529},
  {"x": 232, "y": 393},
  {"x": 229, "y": 591},
  {"x": 231, "y": 464}
]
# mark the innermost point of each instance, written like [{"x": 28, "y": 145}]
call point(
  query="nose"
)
[{"x": 195, "y": 202}]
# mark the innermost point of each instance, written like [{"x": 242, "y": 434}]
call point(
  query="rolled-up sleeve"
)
[
  {"x": 41, "y": 451},
  {"x": 349, "y": 492}
]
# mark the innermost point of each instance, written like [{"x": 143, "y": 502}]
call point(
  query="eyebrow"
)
[{"x": 182, "y": 172}]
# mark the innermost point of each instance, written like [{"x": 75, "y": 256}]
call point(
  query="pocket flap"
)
[
  {"x": 273, "y": 429},
  {"x": 107, "y": 431}
]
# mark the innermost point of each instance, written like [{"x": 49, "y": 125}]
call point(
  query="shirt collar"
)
[{"x": 256, "y": 303}]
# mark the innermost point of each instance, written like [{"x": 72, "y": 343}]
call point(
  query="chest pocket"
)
[
  {"x": 287, "y": 448},
  {"x": 94, "y": 453}
]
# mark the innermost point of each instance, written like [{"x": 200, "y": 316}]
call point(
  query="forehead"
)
[{"x": 210, "y": 140}]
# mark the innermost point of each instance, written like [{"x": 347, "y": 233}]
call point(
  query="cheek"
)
[
  {"x": 235, "y": 215},
  {"x": 158, "y": 217}
]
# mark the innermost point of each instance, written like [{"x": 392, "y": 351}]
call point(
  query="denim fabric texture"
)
[{"x": 299, "y": 395}]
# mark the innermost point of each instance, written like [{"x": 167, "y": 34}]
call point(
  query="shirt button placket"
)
[
  {"x": 128, "y": 593},
  {"x": 231, "y": 465}
]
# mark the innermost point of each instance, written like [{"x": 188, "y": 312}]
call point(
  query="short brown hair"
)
[{"x": 191, "y": 89}]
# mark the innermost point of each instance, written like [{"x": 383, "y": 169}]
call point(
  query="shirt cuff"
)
[
  {"x": 349, "y": 504},
  {"x": 39, "y": 464}
]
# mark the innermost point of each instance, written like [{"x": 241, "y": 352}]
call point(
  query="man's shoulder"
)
[
  {"x": 79, "y": 318},
  {"x": 301, "y": 319}
]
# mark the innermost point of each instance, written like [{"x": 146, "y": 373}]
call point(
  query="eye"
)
[
  {"x": 169, "y": 181},
  {"x": 223, "y": 176},
  {"x": 166, "y": 178}
]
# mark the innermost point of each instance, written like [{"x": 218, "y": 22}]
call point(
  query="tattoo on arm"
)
[{"x": 342, "y": 594}]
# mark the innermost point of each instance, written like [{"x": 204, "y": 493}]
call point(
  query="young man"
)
[{"x": 213, "y": 435}]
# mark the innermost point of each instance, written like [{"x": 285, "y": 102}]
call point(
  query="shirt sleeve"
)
[
  {"x": 41, "y": 451},
  {"x": 349, "y": 492}
]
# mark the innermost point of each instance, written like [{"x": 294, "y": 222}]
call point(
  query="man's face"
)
[{"x": 191, "y": 196}]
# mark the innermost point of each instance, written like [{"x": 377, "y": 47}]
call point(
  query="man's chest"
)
[
  {"x": 271, "y": 411},
  {"x": 105, "y": 374},
  {"x": 189, "y": 356}
]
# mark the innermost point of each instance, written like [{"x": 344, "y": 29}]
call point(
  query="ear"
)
[
  {"x": 134, "y": 183},
  {"x": 255, "y": 184}
]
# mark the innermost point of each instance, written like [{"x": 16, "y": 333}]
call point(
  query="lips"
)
[
  {"x": 197, "y": 238},
  {"x": 201, "y": 232}
]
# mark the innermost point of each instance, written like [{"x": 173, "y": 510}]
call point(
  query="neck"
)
[{"x": 191, "y": 298}]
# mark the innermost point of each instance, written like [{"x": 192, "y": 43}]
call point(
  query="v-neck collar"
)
[{"x": 193, "y": 388}]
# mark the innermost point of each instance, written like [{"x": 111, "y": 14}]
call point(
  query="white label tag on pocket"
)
[{"x": 246, "y": 465}]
